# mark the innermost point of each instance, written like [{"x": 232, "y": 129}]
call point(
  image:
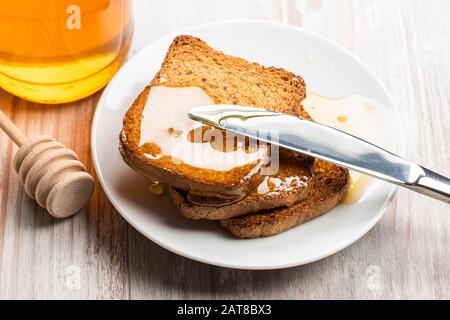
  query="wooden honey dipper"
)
[{"x": 51, "y": 173}]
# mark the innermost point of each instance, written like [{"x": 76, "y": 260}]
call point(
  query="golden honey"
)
[
  {"x": 350, "y": 114},
  {"x": 56, "y": 51}
]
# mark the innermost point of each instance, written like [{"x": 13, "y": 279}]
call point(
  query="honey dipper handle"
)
[{"x": 11, "y": 130}]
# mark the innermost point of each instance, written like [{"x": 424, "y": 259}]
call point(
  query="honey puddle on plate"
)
[{"x": 359, "y": 116}]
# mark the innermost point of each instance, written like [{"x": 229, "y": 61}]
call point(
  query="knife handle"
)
[{"x": 433, "y": 185}]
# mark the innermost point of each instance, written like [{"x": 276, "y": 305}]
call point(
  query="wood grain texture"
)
[{"x": 404, "y": 256}]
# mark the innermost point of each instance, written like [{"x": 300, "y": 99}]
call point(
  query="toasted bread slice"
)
[
  {"x": 329, "y": 189},
  {"x": 190, "y": 62},
  {"x": 291, "y": 184}
]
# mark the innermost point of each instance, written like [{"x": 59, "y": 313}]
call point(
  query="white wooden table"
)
[{"x": 98, "y": 255}]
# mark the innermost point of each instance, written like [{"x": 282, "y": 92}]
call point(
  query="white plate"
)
[{"x": 333, "y": 72}]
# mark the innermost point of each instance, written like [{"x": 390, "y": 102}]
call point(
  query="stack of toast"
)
[{"x": 247, "y": 201}]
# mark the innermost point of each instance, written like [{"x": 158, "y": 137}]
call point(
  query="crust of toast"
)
[
  {"x": 331, "y": 184},
  {"x": 291, "y": 165},
  {"x": 227, "y": 80}
]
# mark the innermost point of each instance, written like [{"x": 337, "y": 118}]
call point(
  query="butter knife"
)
[{"x": 326, "y": 143}]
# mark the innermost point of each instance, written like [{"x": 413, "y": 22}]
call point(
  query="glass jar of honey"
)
[{"x": 56, "y": 51}]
